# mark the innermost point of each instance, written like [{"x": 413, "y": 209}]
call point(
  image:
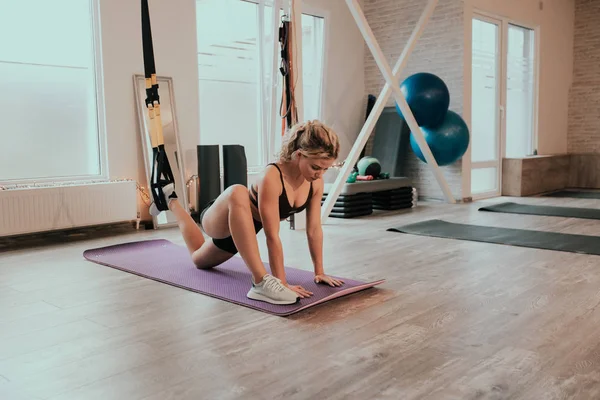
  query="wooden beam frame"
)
[{"x": 391, "y": 87}]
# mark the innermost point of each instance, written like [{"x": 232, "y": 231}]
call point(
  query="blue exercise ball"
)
[
  {"x": 427, "y": 96},
  {"x": 448, "y": 141}
]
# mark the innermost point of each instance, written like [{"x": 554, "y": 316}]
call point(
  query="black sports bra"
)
[{"x": 285, "y": 209}]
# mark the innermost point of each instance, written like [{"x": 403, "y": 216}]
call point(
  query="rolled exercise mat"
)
[
  {"x": 580, "y": 194},
  {"x": 515, "y": 237},
  {"x": 208, "y": 174},
  {"x": 166, "y": 262},
  {"x": 371, "y": 99},
  {"x": 235, "y": 166},
  {"x": 551, "y": 211}
]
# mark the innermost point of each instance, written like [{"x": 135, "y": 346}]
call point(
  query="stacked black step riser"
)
[{"x": 350, "y": 206}]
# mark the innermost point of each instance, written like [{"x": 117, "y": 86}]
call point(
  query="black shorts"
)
[{"x": 227, "y": 244}]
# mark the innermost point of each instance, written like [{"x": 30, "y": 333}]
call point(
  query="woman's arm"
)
[
  {"x": 314, "y": 230},
  {"x": 268, "y": 206},
  {"x": 314, "y": 233},
  {"x": 269, "y": 189}
]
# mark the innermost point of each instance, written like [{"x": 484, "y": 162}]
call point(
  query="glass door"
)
[
  {"x": 486, "y": 119},
  {"x": 504, "y": 104},
  {"x": 520, "y": 91}
]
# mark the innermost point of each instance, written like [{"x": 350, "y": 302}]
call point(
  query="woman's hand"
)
[
  {"x": 322, "y": 278},
  {"x": 303, "y": 293}
]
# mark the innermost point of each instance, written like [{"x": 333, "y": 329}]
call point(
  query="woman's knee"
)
[
  {"x": 210, "y": 256},
  {"x": 238, "y": 195}
]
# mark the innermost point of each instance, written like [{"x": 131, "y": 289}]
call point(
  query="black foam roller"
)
[
  {"x": 235, "y": 165},
  {"x": 208, "y": 174}
]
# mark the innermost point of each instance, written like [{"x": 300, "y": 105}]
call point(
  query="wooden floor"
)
[{"x": 455, "y": 320}]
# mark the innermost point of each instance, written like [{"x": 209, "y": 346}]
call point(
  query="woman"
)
[{"x": 234, "y": 218}]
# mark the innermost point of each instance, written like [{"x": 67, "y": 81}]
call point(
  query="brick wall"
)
[
  {"x": 440, "y": 51},
  {"x": 584, "y": 99}
]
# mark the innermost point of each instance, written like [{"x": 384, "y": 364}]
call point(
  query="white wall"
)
[
  {"x": 556, "y": 23},
  {"x": 343, "y": 104},
  {"x": 174, "y": 36}
]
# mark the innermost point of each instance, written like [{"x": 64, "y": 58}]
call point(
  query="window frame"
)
[{"x": 99, "y": 98}]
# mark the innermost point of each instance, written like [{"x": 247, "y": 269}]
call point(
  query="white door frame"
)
[
  {"x": 503, "y": 23},
  {"x": 500, "y": 93}
]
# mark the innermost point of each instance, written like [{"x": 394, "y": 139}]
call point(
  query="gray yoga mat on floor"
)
[
  {"x": 166, "y": 262},
  {"x": 515, "y": 237},
  {"x": 576, "y": 194},
  {"x": 552, "y": 211}
]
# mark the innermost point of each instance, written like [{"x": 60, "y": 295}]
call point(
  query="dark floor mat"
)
[
  {"x": 576, "y": 194},
  {"x": 552, "y": 211},
  {"x": 515, "y": 237}
]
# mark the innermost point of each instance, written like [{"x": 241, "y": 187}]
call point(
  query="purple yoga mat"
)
[{"x": 166, "y": 262}]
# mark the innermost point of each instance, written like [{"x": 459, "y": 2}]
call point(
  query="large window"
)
[
  {"x": 235, "y": 57},
  {"x": 48, "y": 97}
]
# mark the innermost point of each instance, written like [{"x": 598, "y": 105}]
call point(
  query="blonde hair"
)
[{"x": 311, "y": 139}]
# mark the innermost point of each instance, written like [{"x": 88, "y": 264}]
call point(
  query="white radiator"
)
[{"x": 40, "y": 209}]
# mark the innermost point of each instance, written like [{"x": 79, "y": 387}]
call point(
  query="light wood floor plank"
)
[
  {"x": 454, "y": 320},
  {"x": 145, "y": 380},
  {"x": 85, "y": 371},
  {"x": 9, "y": 313},
  {"x": 18, "y": 345}
]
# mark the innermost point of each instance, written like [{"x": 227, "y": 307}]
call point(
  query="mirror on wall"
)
[{"x": 171, "y": 139}]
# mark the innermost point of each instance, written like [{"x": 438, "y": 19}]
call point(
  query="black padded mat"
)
[
  {"x": 515, "y": 237},
  {"x": 552, "y": 211},
  {"x": 576, "y": 194}
]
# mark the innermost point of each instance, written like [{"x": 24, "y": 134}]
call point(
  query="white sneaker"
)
[
  {"x": 271, "y": 290},
  {"x": 169, "y": 192}
]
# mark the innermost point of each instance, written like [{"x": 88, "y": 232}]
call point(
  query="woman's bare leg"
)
[
  {"x": 192, "y": 234},
  {"x": 230, "y": 215},
  {"x": 204, "y": 254}
]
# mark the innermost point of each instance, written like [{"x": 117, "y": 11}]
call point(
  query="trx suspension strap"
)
[
  {"x": 288, "y": 111},
  {"x": 161, "y": 169},
  {"x": 284, "y": 32}
]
